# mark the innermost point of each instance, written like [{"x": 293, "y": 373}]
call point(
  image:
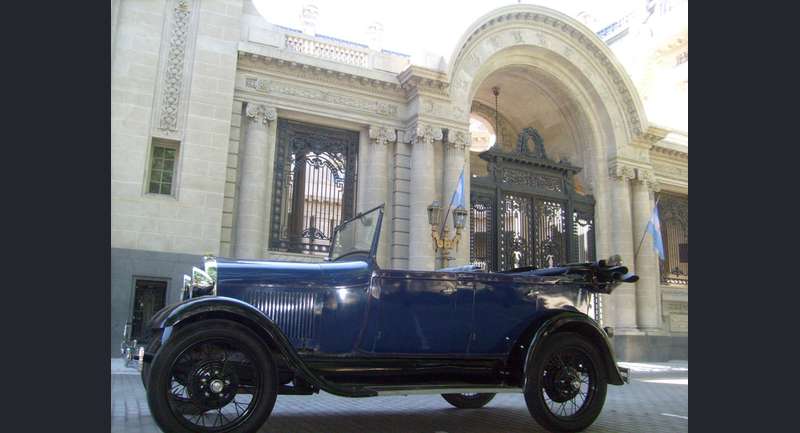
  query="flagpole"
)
[{"x": 645, "y": 229}]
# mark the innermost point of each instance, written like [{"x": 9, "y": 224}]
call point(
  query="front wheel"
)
[
  {"x": 468, "y": 400},
  {"x": 213, "y": 376},
  {"x": 566, "y": 387}
]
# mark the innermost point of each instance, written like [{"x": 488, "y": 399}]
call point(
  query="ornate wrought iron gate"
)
[{"x": 526, "y": 212}]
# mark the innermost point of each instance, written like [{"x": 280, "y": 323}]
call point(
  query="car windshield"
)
[{"x": 356, "y": 235}]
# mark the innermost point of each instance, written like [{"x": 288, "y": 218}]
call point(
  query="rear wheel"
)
[
  {"x": 468, "y": 400},
  {"x": 213, "y": 376},
  {"x": 566, "y": 387}
]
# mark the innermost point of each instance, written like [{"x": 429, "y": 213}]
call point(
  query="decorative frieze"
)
[
  {"x": 382, "y": 134},
  {"x": 273, "y": 87},
  {"x": 174, "y": 69},
  {"x": 260, "y": 114}
]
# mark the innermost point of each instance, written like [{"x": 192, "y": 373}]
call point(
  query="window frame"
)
[{"x": 167, "y": 144}]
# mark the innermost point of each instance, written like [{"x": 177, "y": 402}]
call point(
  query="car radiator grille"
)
[{"x": 293, "y": 312}]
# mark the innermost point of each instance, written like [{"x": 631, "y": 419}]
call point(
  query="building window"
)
[
  {"x": 673, "y": 213},
  {"x": 163, "y": 160},
  {"x": 314, "y": 187}
]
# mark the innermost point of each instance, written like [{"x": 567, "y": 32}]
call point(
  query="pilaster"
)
[{"x": 422, "y": 137}]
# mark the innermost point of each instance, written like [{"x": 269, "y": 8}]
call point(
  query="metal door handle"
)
[{"x": 448, "y": 291}]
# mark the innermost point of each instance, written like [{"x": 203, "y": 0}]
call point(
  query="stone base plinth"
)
[{"x": 650, "y": 348}]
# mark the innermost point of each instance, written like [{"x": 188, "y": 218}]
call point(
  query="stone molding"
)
[
  {"x": 382, "y": 134},
  {"x": 416, "y": 79},
  {"x": 423, "y": 133},
  {"x": 260, "y": 114},
  {"x": 543, "y": 18}
]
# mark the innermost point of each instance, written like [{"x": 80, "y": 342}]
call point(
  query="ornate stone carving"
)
[
  {"x": 174, "y": 68},
  {"x": 260, "y": 114},
  {"x": 648, "y": 178},
  {"x": 458, "y": 139},
  {"x": 424, "y": 133},
  {"x": 622, "y": 172},
  {"x": 382, "y": 134},
  {"x": 275, "y": 87}
]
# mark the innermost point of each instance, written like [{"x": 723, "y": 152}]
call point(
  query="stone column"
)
[
  {"x": 377, "y": 185},
  {"x": 420, "y": 246},
  {"x": 454, "y": 158},
  {"x": 624, "y": 296},
  {"x": 251, "y": 213},
  {"x": 646, "y": 258}
]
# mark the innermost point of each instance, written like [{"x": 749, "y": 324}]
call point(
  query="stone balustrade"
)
[{"x": 322, "y": 50}]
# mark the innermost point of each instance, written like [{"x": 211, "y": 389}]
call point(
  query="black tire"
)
[
  {"x": 468, "y": 401},
  {"x": 243, "y": 358},
  {"x": 554, "y": 374}
]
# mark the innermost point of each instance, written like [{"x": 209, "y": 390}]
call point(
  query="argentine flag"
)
[
  {"x": 654, "y": 227},
  {"x": 458, "y": 198}
]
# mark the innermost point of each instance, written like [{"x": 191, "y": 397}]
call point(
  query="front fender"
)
[
  {"x": 193, "y": 309},
  {"x": 584, "y": 325}
]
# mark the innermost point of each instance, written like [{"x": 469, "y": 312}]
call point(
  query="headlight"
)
[{"x": 203, "y": 281}]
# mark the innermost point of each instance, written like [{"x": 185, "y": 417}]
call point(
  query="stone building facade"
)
[{"x": 219, "y": 117}]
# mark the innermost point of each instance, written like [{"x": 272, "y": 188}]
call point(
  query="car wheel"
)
[
  {"x": 566, "y": 386},
  {"x": 214, "y": 376},
  {"x": 468, "y": 400}
]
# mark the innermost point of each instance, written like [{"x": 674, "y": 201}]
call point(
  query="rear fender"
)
[
  {"x": 568, "y": 321},
  {"x": 217, "y": 307}
]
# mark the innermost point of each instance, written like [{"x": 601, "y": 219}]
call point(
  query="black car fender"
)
[
  {"x": 581, "y": 324},
  {"x": 219, "y": 307}
]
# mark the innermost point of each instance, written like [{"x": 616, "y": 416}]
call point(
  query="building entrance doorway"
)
[{"x": 149, "y": 297}]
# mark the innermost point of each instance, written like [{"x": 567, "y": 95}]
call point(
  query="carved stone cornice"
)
[
  {"x": 416, "y": 79},
  {"x": 650, "y": 137},
  {"x": 260, "y": 114},
  {"x": 423, "y": 133},
  {"x": 382, "y": 134},
  {"x": 457, "y": 139},
  {"x": 320, "y": 74}
]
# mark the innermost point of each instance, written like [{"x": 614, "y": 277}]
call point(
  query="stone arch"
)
[{"x": 560, "y": 46}]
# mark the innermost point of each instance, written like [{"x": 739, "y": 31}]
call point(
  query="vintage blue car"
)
[{"x": 247, "y": 331}]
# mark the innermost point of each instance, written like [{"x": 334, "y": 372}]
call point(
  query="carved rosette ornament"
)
[
  {"x": 173, "y": 75},
  {"x": 382, "y": 134},
  {"x": 259, "y": 114}
]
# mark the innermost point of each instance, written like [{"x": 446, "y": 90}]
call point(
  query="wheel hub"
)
[
  {"x": 212, "y": 385},
  {"x": 564, "y": 384}
]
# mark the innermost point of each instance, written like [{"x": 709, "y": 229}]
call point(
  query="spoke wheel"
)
[
  {"x": 215, "y": 377},
  {"x": 566, "y": 387},
  {"x": 471, "y": 400}
]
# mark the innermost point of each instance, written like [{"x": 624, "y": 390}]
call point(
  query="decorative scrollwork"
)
[{"x": 535, "y": 180}]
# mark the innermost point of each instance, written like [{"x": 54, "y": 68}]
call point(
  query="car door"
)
[{"x": 419, "y": 314}]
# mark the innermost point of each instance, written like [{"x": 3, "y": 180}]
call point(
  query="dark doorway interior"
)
[{"x": 149, "y": 297}]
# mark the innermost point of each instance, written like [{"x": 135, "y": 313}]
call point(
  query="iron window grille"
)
[
  {"x": 314, "y": 186},
  {"x": 673, "y": 213}
]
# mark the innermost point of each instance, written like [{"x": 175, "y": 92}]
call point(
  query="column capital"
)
[
  {"x": 382, "y": 134},
  {"x": 621, "y": 172},
  {"x": 457, "y": 139},
  {"x": 423, "y": 133},
  {"x": 647, "y": 178},
  {"x": 260, "y": 114}
]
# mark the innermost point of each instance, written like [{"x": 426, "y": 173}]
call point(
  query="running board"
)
[{"x": 443, "y": 389}]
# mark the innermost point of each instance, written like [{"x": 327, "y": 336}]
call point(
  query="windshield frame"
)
[{"x": 375, "y": 236}]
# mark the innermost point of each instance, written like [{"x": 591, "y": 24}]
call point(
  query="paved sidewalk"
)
[{"x": 656, "y": 400}]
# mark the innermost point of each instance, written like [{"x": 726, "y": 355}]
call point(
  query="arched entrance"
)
[{"x": 557, "y": 78}]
